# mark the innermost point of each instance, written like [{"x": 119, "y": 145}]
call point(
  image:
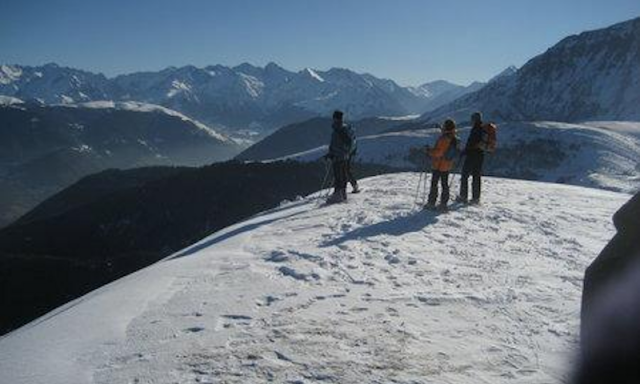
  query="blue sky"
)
[{"x": 410, "y": 41}]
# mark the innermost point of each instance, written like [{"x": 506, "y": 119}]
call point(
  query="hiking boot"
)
[
  {"x": 356, "y": 189},
  {"x": 443, "y": 208},
  {"x": 337, "y": 197},
  {"x": 474, "y": 202},
  {"x": 461, "y": 199},
  {"x": 430, "y": 206}
]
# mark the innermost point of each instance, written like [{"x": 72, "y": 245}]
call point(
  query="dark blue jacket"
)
[
  {"x": 343, "y": 142},
  {"x": 474, "y": 141}
]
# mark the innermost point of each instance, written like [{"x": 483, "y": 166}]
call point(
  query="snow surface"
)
[
  {"x": 370, "y": 291},
  {"x": 599, "y": 155}
]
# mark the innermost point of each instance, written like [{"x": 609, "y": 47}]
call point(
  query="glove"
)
[{"x": 327, "y": 157}]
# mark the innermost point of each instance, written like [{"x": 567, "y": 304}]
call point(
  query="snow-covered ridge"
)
[
  {"x": 369, "y": 291},
  {"x": 146, "y": 107},
  {"x": 8, "y": 100}
]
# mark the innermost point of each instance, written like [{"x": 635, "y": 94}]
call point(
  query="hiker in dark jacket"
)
[
  {"x": 340, "y": 149},
  {"x": 474, "y": 158}
]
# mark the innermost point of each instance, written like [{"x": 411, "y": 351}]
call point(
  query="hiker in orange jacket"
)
[{"x": 443, "y": 156}]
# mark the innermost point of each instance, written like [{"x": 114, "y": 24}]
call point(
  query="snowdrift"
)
[{"x": 369, "y": 291}]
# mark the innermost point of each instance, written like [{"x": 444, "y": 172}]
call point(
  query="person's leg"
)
[
  {"x": 350, "y": 177},
  {"x": 337, "y": 176},
  {"x": 444, "y": 179},
  {"x": 477, "y": 178},
  {"x": 433, "y": 190},
  {"x": 342, "y": 185},
  {"x": 464, "y": 181},
  {"x": 476, "y": 186}
]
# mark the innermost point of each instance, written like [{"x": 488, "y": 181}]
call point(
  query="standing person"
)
[
  {"x": 442, "y": 156},
  {"x": 339, "y": 150},
  {"x": 474, "y": 158}
]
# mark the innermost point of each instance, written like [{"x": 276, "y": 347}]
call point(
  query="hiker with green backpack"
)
[{"x": 443, "y": 156}]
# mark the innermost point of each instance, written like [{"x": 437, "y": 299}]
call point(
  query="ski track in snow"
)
[{"x": 372, "y": 291}]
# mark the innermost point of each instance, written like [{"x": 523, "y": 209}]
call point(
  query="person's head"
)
[
  {"x": 337, "y": 116},
  {"x": 476, "y": 118},
  {"x": 449, "y": 126}
]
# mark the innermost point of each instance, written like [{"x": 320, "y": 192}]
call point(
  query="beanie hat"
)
[
  {"x": 449, "y": 125},
  {"x": 338, "y": 114}
]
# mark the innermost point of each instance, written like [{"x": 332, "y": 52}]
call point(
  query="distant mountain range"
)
[
  {"x": 45, "y": 148},
  {"x": 233, "y": 98},
  {"x": 591, "y": 76}
]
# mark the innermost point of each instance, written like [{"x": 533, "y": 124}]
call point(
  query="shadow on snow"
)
[{"x": 398, "y": 226}]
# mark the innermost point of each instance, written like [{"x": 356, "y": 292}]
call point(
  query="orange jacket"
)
[{"x": 438, "y": 162}]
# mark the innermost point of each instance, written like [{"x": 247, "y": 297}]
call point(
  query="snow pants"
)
[
  {"x": 472, "y": 167},
  {"x": 340, "y": 176},
  {"x": 443, "y": 178}
]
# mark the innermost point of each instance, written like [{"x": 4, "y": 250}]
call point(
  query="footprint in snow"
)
[
  {"x": 290, "y": 272},
  {"x": 277, "y": 257},
  {"x": 268, "y": 300},
  {"x": 391, "y": 259}
]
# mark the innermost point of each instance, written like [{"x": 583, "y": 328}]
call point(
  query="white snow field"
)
[
  {"x": 598, "y": 155},
  {"x": 371, "y": 291}
]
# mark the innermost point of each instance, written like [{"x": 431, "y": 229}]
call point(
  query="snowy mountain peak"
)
[
  {"x": 239, "y": 96},
  {"x": 435, "y": 88},
  {"x": 274, "y": 66},
  {"x": 248, "y": 69}
]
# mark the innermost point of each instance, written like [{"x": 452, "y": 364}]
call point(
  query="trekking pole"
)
[
  {"x": 418, "y": 187},
  {"x": 421, "y": 181},
  {"x": 424, "y": 186},
  {"x": 325, "y": 180},
  {"x": 457, "y": 168}
]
